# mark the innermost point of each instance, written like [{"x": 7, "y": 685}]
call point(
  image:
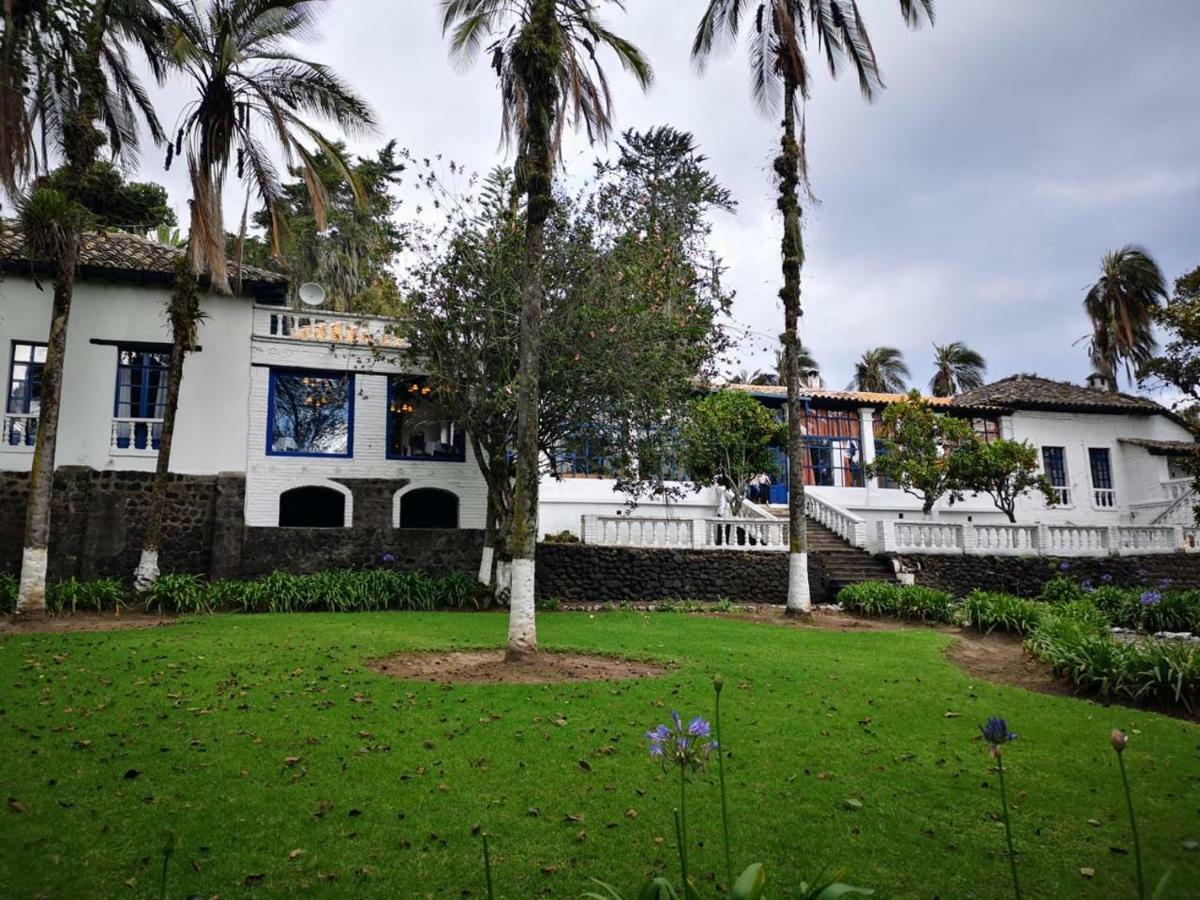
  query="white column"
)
[{"x": 866, "y": 418}]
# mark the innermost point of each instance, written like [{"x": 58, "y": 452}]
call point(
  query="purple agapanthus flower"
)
[
  {"x": 1087, "y": 585},
  {"x": 388, "y": 557},
  {"x": 1165, "y": 583},
  {"x": 1150, "y": 598},
  {"x": 1106, "y": 578},
  {"x": 996, "y": 733},
  {"x": 685, "y": 746}
]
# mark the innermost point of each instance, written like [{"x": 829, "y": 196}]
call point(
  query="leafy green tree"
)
[
  {"x": 1121, "y": 306},
  {"x": 544, "y": 53},
  {"x": 726, "y": 441},
  {"x": 1004, "y": 470},
  {"x": 114, "y": 203},
  {"x": 72, "y": 62},
  {"x": 351, "y": 254},
  {"x": 880, "y": 370},
  {"x": 780, "y": 74},
  {"x": 956, "y": 368},
  {"x": 238, "y": 55},
  {"x": 1178, "y": 365},
  {"x": 922, "y": 450}
]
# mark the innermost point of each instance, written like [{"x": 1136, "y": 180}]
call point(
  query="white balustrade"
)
[
  {"x": 1005, "y": 540},
  {"x": 746, "y": 534},
  {"x": 1134, "y": 539},
  {"x": 135, "y": 437},
  {"x": 1174, "y": 488},
  {"x": 18, "y": 431},
  {"x": 1076, "y": 540},
  {"x": 851, "y": 528},
  {"x": 928, "y": 537},
  {"x": 325, "y": 328},
  {"x": 1104, "y": 498},
  {"x": 637, "y": 531}
]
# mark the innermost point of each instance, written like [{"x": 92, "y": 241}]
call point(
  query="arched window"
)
[
  {"x": 312, "y": 507},
  {"x": 429, "y": 508}
]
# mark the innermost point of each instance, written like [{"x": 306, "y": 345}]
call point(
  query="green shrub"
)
[
  {"x": 72, "y": 595},
  {"x": 186, "y": 594},
  {"x": 1166, "y": 672},
  {"x": 925, "y": 604},
  {"x": 1061, "y": 589},
  {"x": 872, "y": 598},
  {"x": 988, "y": 610},
  {"x": 562, "y": 537},
  {"x": 9, "y": 586}
]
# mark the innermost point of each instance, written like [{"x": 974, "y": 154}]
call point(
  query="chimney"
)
[
  {"x": 1098, "y": 381},
  {"x": 811, "y": 379}
]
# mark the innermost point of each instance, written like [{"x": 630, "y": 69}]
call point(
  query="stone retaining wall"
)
[
  {"x": 1025, "y": 576},
  {"x": 584, "y": 572}
]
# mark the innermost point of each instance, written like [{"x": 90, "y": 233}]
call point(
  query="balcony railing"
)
[
  {"x": 326, "y": 328},
  {"x": 19, "y": 431},
  {"x": 1104, "y": 498},
  {"x": 135, "y": 437}
]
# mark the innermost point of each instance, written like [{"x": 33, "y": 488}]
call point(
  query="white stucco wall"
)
[
  {"x": 561, "y": 504},
  {"x": 268, "y": 476},
  {"x": 210, "y": 433}
]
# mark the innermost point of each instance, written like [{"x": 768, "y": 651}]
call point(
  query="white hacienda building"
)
[{"x": 311, "y": 408}]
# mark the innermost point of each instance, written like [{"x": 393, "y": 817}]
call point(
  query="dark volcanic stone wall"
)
[
  {"x": 315, "y": 549},
  {"x": 582, "y": 572},
  {"x": 1025, "y": 576}
]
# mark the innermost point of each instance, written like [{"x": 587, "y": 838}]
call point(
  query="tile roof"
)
[
  {"x": 122, "y": 256},
  {"x": 1163, "y": 448},
  {"x": 861, "y": 398},
  {"x": 1032, "y": 392}
]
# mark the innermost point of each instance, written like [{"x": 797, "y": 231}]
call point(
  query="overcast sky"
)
[{"x": 1017, "y": 140}]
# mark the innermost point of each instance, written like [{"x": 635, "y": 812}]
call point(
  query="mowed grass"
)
[{"x": 251, "y": 737}]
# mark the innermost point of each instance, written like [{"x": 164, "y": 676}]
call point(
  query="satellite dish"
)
[{"x": 312, "y": 294}]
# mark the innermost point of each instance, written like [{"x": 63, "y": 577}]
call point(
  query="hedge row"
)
[{"x": 338, "y": 590}]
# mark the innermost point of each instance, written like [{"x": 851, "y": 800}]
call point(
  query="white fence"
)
[
  {"x": 1033, "y": 540},
  {"x": 696, "y": 534},
  {"x": 325, "y": 328}
]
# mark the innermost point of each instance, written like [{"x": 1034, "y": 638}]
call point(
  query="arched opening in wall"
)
[
  {"x": 429, "y": 508},
  {"x": 312, "y": 507}
]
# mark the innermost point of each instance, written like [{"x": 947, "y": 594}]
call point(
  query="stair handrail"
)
[
  {"x": 1189, "y": 494},
  {"x": 849, "y": 527}
]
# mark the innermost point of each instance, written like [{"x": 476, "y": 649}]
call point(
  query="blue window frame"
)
[
  {"x": 1054, "y": 462},
  {"x": 416, "y": 428},
  {"x": 142, "y": 377},
  {"x": 24, "y": 393},
  {"x": 310, "y": 413}
]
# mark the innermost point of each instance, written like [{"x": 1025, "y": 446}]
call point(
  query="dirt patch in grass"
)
[
  {"x": 1001, "y": 658},
  {"x": 489, "y": 667},
  {"x": 81, "y": 621}
]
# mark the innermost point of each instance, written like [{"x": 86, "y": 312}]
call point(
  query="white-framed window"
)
[
  {"x": 1054, "y": 465},
  {"x": 1104, "y": 494}
]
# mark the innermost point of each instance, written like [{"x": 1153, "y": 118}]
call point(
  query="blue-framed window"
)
[
  {"x": 417, "y": 428},
  {"x": 1054, "y": 464},
  {"x": 24, "y": 393},
  {"x": 588, "y": 453},
  {"x": 142, "y": 377},
  {"x": 310, "y": 413},
  {"x": 1100, "y": 461}
]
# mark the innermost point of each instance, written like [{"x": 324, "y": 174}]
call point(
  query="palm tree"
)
[
  {"x": 1121, "y": 305},
  {"x": 808, "y": 363},
  {"x": 75, "y": 69},
  {"x": 248, "y": 82},
  {"x": 544, "y": 55},
  {"x": 880, "y": 370},
  {"x": 957, "y": 368},
  {"x": 780, "y": 71}
]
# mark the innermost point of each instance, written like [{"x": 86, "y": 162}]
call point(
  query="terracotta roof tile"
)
[
  {"x": 116, "y": 254},
  {"x": 1032, "y": 392}
]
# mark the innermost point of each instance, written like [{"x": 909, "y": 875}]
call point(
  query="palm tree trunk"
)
[
  {"x": 184, "y": 314},
  {"x": 31, "y": 596},
  {"x": 787, "y": 168},
  {"x": 534, "y": 53}
]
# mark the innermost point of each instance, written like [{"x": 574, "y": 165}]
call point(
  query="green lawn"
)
[{"x": 109, "y": 739}]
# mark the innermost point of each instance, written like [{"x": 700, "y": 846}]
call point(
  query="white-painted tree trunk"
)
[
  {"x": 522, "y": 631},
  {"x": 31, "y": 595},
  {"x": 146, "y": 572},
  {"x": 799, "y": 599},
  {"x": 485, "y": 564},
  {"x": 504, "y": 578}
]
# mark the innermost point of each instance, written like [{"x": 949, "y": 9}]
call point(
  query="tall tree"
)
[
  {"x": 115, "y": 204},
  {"x": 1121, "y": 306},
  {"x": 544, "y": 53},
  {"x": 1178, "y": 364},
  {"x": 72, "y": 62},
  {"x": 249, "y": 82},
  {"x": 956, "y": 368},
  {"x": 780, "y": 71},
  {"x": 880, "y": 370}
]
